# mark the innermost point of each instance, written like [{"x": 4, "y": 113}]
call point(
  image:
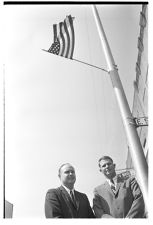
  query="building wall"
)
[
  {"x": 8, "y": 209},
  {"x": 140, "y": 100}
]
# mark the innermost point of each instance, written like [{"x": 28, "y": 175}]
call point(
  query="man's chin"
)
[
  {"x": 71, "y": 181},
  {"x": 108, "y": 175}
]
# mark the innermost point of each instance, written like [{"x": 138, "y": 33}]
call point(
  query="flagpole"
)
[
  {"x": 4, "y": 143},
  {"x": 136, "y": 149},
  {"x": 88, "y": 64}
]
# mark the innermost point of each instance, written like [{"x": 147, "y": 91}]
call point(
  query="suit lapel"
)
[
  {"x": 65, "y": 194},
  {"x": 120, "y": 181},
  {"x": 77, "y": 199},
  {"x": 107, "y": 186},
  {"x": 117, "y": 187},
  {"x": 67, "y": 197}
]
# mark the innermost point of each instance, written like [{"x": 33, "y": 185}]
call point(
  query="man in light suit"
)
[
  {"x": 65, "y": 202},
  {"x": 118, "y": 197}
]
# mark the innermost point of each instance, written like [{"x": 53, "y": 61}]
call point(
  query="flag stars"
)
[{"x": 55, "y": 48}]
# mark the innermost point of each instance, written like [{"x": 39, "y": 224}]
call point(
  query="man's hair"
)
[
  {"x": 59, "y": 171},
  {"x": 105, "y": 157}
]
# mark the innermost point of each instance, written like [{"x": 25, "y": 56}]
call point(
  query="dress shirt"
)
[
  {"x": 114, "y": 180},
  {"x": 68, "y": 190}
]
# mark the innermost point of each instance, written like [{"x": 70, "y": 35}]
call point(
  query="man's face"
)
[
  {"x": 107, "y": 168},
  {"x": 67, "y": 175}
]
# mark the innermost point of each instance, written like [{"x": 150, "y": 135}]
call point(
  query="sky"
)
[{"x": 58, "y": 110}]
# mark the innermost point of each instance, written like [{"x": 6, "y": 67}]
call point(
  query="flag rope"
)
[
  {"x": 82, "y": 62},
  {"x": 90, "y": 65}
]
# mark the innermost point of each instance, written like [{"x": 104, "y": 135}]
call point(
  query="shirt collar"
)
[
  {"x": 68, "y": 190},
  {"x": 114, "y": 179}
]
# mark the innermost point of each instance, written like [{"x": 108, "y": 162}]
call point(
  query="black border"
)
[{"x": 72, "y": 2}]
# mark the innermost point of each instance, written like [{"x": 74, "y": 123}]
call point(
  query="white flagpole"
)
[{"x": 136, "y": 149}]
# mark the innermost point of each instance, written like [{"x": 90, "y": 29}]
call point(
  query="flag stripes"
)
[
  {"x": 67, "y": 47},
  {"x": 64, "y": 38},
  {"x": 55, "y": 32}
]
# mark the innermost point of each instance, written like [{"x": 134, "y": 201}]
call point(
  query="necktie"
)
[
  {"x": 73, "y": 198},
  {"x": 113, "y": 186}
]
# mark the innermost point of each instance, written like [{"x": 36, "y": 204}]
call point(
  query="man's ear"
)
[{"x": 114, "y": 165}]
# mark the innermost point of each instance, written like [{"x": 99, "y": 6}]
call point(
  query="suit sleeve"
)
[
  {"x": 137, "y": 209},
  {"x": 52, "y": 205},
  {"x": 97, "y": 205},
  {"x": 90, "y": 212}
]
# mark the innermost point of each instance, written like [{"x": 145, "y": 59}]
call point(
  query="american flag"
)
[{"x": 64, "y": 38}]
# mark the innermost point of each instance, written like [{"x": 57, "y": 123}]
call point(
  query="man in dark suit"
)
[
  {"x": 118, "y": 197},
  {"x": 65, "y": 202}
]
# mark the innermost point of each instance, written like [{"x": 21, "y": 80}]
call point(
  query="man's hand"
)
[{"x": 106, "y": 216}]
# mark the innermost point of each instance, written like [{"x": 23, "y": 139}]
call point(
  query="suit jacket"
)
[
  {"x": 127, "y": 202},
  {"x": 58, "y": 204}
]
